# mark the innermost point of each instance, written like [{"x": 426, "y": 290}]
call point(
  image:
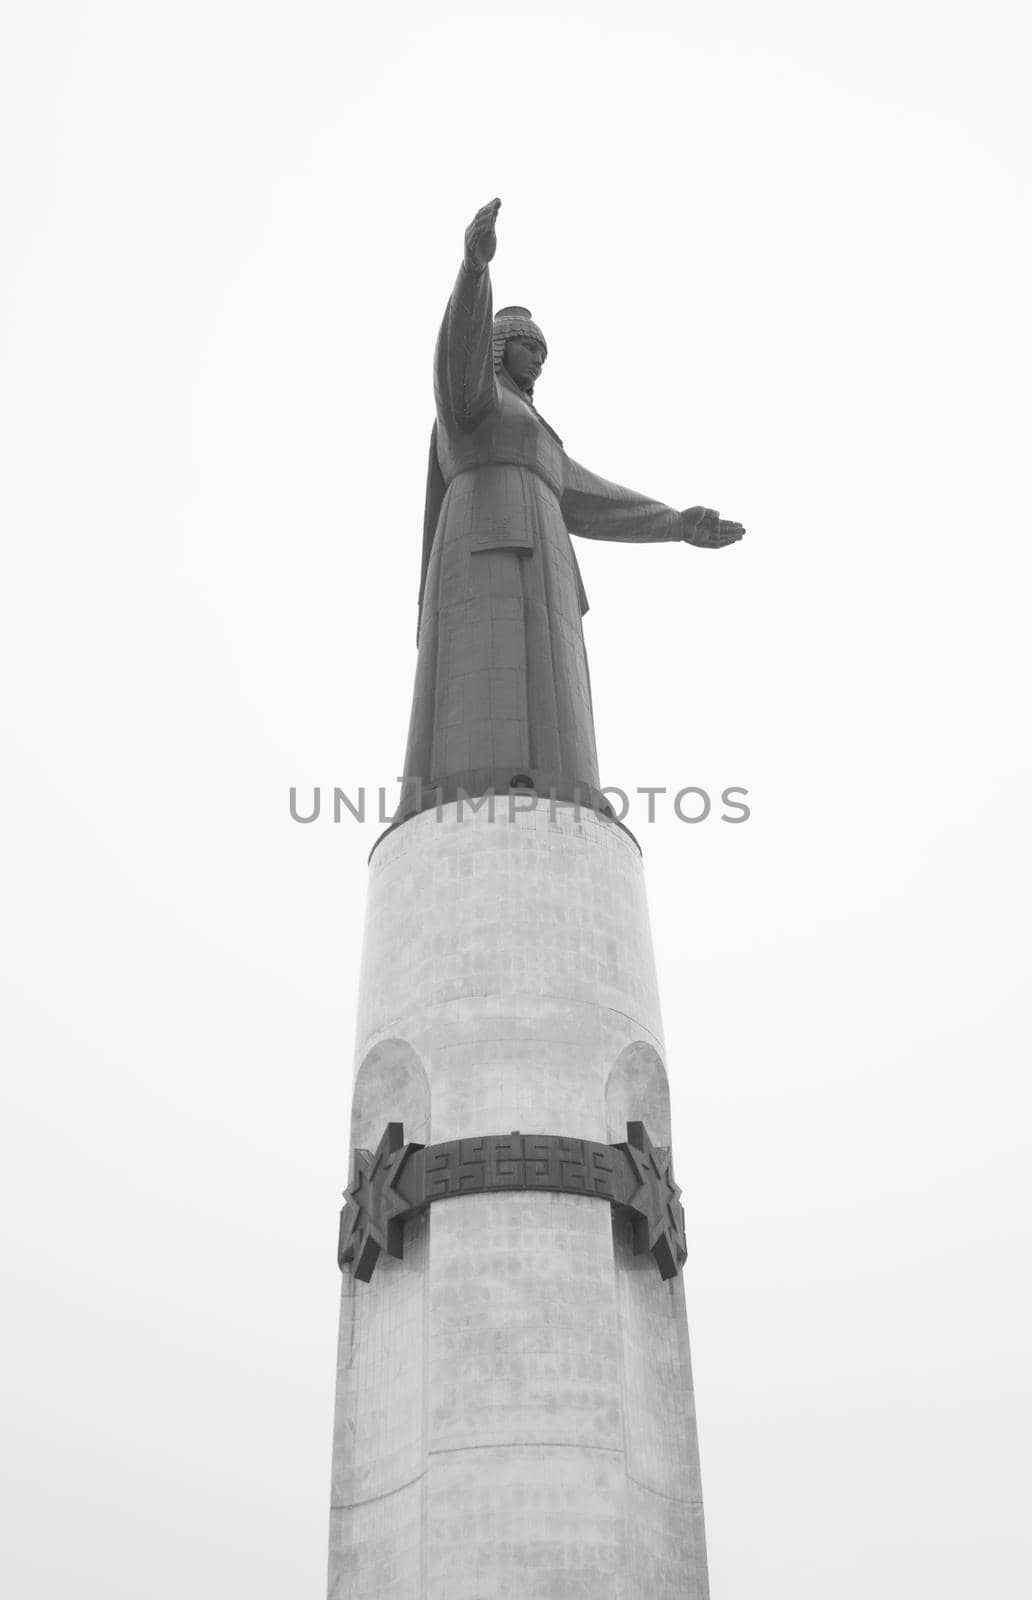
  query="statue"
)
[{"x": 502, "y": 698}]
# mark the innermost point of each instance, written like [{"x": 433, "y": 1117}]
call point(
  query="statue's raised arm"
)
[
  {"x": 481, "y": 239},
  {"x": 502, "y": 693},
  {"x": 464, "y": 380}
]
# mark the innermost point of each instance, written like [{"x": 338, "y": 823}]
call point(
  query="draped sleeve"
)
[
  {"x": 464, "y": 380},
  {"x": 597, "y": 509}
]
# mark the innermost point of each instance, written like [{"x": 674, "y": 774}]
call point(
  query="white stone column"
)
[{"x": 514, "y": 1411}]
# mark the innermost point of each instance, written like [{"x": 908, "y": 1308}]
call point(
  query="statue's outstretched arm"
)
[
  {"x": 464, "y": 379},
  {"x": 597, "y": 509}
]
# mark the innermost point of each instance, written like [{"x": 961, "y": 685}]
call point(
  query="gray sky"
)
[{"x": 781, "y": 260}]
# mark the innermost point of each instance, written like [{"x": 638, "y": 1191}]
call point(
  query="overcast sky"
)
[{"x": 781, "y": 258}]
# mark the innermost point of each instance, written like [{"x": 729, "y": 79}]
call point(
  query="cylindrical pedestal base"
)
[{"x": 514, "y": 1405}]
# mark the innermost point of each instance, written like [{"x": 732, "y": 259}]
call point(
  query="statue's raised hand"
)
[
  {"x": 706, "y": 529},
  {"x": 480, "y": 236}
]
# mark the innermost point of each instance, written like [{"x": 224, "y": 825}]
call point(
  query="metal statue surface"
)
[{"x": 502, "y": 697}]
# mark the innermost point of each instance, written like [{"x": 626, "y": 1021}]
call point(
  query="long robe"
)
[{"x": 502, "y": 690}]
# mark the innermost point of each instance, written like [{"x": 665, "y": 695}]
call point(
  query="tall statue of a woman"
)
[{"x": 502, "y": 697}]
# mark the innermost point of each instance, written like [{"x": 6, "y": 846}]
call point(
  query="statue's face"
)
[{"x": 523, "y": 360}]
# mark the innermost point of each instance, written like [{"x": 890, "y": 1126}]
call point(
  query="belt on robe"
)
[{"x": 507, "y": 461}]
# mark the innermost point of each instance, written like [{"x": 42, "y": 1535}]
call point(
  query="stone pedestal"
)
[{"x": 514, "y": 1400}]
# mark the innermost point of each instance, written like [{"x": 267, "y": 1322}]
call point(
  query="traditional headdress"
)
[{"x": 513, "y": 322}]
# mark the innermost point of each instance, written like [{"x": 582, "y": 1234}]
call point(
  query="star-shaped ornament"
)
[
  {"x": 374, "y": 1212},
  {"x": 655, "y": 1202}
]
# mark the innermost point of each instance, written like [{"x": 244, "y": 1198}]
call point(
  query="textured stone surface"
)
[{"x": 514, "y": 1412}]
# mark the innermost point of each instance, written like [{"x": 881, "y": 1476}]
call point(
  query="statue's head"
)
[{"x": 519, "y": 346}]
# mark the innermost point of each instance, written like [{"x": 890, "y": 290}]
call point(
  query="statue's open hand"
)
[
  {"x": 705, "y": 528},
  {"x": 481, "y": 241}
]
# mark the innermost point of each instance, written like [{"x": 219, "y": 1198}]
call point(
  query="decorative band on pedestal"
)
[{"x": 396, "y": 1181}]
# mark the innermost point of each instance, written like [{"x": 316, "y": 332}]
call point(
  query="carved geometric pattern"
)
[
  {"x": 374, "y": 1211},
  {"x": 656, "y": 1203},
  {"x": 398, "y": 1180},
  {"x": 520, "y": 1161}
]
